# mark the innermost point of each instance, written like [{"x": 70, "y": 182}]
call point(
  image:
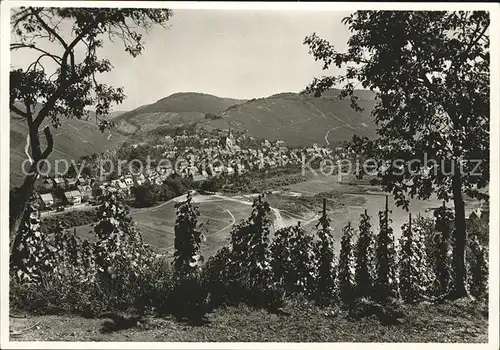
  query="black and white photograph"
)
[{"x": 272, "y": 175}]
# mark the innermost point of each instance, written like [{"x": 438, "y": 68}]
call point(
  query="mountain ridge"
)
[
  {"x": 297, "y": 119},
  {"x": 283, "y": 113}
]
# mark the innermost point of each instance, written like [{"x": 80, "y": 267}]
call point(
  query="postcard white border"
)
[{"x": 339, "y": 6}]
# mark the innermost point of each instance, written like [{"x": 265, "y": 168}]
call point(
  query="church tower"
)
[
  {"x": 227, "y": 141},
  {"x": 229, "y": 138}
]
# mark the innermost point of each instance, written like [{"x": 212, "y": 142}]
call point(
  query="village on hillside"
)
[{"x": 199, "y": 157}]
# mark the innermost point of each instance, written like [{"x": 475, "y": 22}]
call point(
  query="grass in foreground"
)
[{"x": 459, "y": 321}]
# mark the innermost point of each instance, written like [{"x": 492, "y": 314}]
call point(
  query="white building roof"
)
[
  {"x": 47, "y": 197},
  {"x": 72, "y": 194}
]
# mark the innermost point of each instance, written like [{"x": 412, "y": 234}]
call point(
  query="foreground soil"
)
[{"x": 460, "y": 321}]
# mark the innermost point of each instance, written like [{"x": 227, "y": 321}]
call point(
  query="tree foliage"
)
[
  {"x": 146, "y": 194},
  {"x": 64, "y": 78},
  {"x": 73, "y": 85},
  {"x": 430, "y": 71}
]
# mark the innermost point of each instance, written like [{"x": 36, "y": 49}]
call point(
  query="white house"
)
[
  {"x": 129, "y": 182},
  {"x": 59, "y": 182},
  {"x": 120, "y": 186},
  {"x": 70, "y": 182},
  {"x": 199, "y": 178},
  {"x": 48, "y": 184},
  {"x": 86, "y": 192},
  {"x": 115, "y": 182},
  {"x": 83, "y": 181},
  {"x": 46, "y": 200},
  {"x": 73, "y": 197}
]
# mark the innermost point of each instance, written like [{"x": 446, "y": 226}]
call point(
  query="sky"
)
[{"x": 228, "y": 53}]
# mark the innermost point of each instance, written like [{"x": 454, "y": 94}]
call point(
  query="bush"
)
[
  {"x": 478, "y": 267},
  {"x": 63, "y": 292},
  {"x": 325, "y": 262},
  {"x": 386, "y": 282},
  {"x": 293, "y": 260},
  {"x": 346, "y": 268},
  {"x": 188, "y": 298},
  {"x": 415, "y": 274},
  {"x": 66, "y": 292},
  {"x": 157, "y": 285},
  {"x": 69, "y": 219},
  {"x": 120, "y": 273},
  {"x": 442, "y": 255},
  {"x": 247, "y": 271},
  {"x": 121, "y": 256},
  {"x": 212, "y": 116},
  {"x": 365, "y": 258},
  {"x": 146, "y": 195},
  {"x": 219, "y": 280}
]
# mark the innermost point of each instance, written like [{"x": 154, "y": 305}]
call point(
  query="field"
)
[
  {"x": 157, "y": 223},
  {"x": 345, "y": 204},
  {"x": 216, "y": 215}
]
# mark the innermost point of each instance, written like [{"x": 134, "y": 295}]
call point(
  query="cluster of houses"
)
[
  {"x": 202, "y": 158},
  {"x": 59, "y": 192},
  {"x": 56, "y": 191},
  {"x": 205, "y": 157}
]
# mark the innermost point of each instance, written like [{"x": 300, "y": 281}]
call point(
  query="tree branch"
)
[
  {"x": 474, "y": 42},
  {"x": 20, "y": 17},
  {"x": 18, "y": 111},
  {"x": 16, "y": 46},
  {"x": 36, "y": 63},
  {"x": 50, "y": 143},
  {"x": 49, "y": 30}
]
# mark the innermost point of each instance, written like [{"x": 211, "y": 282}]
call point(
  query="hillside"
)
[
  {"x": 115, "y": 114},
  {"x": 74, "y": 139},
  {"x": 176, "y": 109},
  {"x": 301, "y": 119},
  {"x": 294, "y": 118}
]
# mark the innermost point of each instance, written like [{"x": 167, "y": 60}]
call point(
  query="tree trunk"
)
[
  {"x": 18, "y": 205},
  {"x": 460, "y": 237}
]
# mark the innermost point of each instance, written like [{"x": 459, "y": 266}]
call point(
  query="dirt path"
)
[{"x": 328, "y": 133}]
